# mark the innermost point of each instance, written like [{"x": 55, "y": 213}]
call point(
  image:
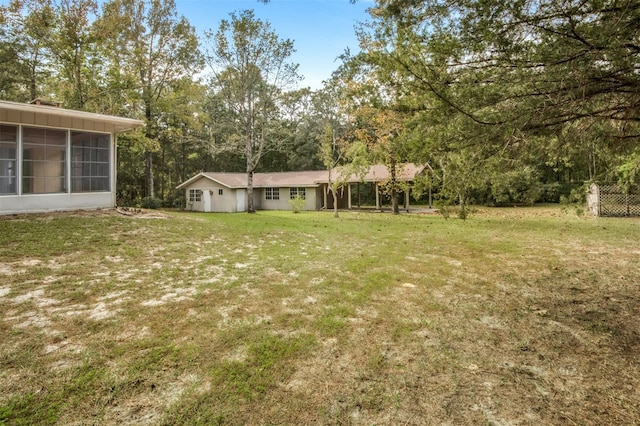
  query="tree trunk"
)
[
  {"x": 394, "y": 201},
  {"x": 163, "y": 174},
  {"x": 250, "y": 208},
  {"x": 335, "y": 202},
  {"x": 394, "y": 184},
  {"x": 33, "y": 84},
  {"x": 251, "y": 163},
  {"x": 150, "y": 188},
  {"x": 148, "y": 153}
]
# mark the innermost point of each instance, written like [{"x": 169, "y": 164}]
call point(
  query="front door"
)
[
  {"x": 206, "y": 194},
  {"x": 241, "y": 200}
]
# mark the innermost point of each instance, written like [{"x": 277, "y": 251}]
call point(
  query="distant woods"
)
[{"x": 514, "y": 102}]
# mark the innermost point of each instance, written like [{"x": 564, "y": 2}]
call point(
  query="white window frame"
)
[
  {"x": 294, "y": 192},
  {"x": 272, "y": 193},
  {"x": 195, "y": 195}
]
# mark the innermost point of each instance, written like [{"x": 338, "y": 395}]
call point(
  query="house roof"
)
[
  {"x": 311, "y": 178},
  {"x": 380, "y": 173},
  {"x": 45, "y": 115},
  {"x": 283, "y": 179},
  {"x": 263, "y": 180}
]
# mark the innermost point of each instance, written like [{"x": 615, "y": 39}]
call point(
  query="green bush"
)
[
  {"x": 520, "y": 186},
  {"x": 297, "y": 203},
  {"x": 151, "y": 203}
]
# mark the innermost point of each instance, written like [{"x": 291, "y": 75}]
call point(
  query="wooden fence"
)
[{"x": 613, "y": 200}]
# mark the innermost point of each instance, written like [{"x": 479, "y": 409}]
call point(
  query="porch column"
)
[
  {"x": 375, "y": 184},
  {"x": 349, "y": 196},
  {"x": 406, "y": 200}
]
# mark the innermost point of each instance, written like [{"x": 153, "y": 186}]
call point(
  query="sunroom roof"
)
[{"x": 43, "y": 115}]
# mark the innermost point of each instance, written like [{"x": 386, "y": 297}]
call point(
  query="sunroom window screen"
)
[
  {"x": 8, "y": 144},
  {"x": 90, "y": 162},
  {"x": 43, "y": 160}
]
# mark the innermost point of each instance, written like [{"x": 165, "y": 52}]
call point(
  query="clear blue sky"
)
[{"x": 320, "y": 29}]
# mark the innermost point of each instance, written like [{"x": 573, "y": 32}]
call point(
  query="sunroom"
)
[{"x": 57, "y": 159}]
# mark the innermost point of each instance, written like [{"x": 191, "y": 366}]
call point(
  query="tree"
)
[
  {"x": 538, "y": 65},
  {"x": 73, "y": 42},
  {"x": 250, "y": 70},
  {"x": 342, "y": 159},
  {"x": 519, "y": 92},
  {"x": 151, "y": 48},
  {"x": 381, "y": 130},
  {"x": 25, "y": 45},
  {"x": 377, "y": 118}
]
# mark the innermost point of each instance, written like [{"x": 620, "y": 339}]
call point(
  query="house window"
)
[
  {"x": 220, "y": 192},
  {"x": 8, "y": 148},
  {"x": 272, "y": 193},
  {"x": 43, "y": 160},
  {"x": 90, "y": 171},
  {"x": 298, "y": 192},
  {"x": 195, "y": 195}
]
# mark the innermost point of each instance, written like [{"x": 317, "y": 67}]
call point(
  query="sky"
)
[{"x": 320, "y": 29}]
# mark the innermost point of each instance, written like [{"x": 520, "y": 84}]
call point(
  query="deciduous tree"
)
[
  {"x": 250, "y": 71},
  {"x": 153, "y": 48}
]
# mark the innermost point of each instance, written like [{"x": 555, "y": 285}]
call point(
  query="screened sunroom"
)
[{"x": 57, "y": 159}]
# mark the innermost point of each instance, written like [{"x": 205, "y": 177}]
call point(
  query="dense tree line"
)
[{"x": 505, "y": 101}]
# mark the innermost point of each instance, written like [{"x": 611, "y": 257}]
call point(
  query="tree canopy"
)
[
  {"x": 542, "y": 91},
  {"x": 251, "y": 67}
]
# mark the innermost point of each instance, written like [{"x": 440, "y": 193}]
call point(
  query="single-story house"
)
[
  {"x": 227, "y": 192},
  {"x": 53, "y": 158}
]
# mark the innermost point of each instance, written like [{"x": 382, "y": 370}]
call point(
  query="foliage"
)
[
  {"x": 297, "y": 203},
  {"x": 159, "y": 49},
  {"x": 543, "y": 93},
  {"x": 150, "y": 203},
  {"x": 511, "y": 102},
  {"x": 25, "y": 46},
  {"x": 342, "y": 160},
  {"x": 629, "y": 172}
]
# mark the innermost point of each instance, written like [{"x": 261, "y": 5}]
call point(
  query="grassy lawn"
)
[{"x": 515, "y": 316}]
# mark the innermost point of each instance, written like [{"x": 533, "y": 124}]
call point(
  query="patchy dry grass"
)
[{"x": 516, "y": 316}]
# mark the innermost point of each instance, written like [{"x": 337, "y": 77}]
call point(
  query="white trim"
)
[{"x": 203, "y": 175}]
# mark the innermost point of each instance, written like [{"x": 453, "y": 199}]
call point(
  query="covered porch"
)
[
  {"x": 365, "y": 192},
  {"x": 364, "y": 195}
]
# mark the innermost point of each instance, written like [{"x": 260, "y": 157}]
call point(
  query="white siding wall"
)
[
  {"x": 35, "y": 203},
  {"x": 313, "y": 200},
  {"x": 225, "y": 203}
]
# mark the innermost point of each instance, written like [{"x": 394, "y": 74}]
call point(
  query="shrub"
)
[
  {"x": 151, "y": 203},
  {"x": 297, "y": 203}
]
